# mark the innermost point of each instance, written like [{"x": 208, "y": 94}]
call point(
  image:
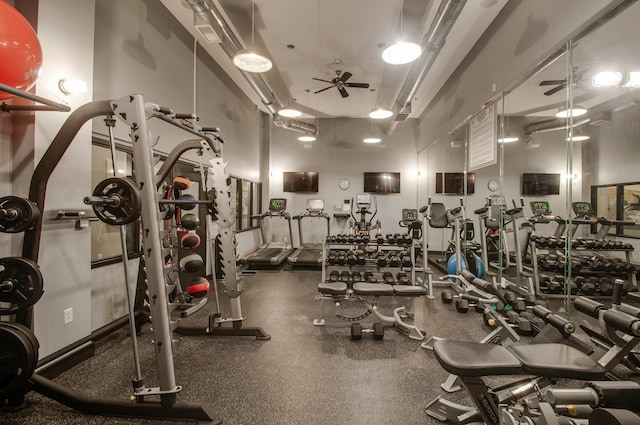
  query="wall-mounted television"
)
[
  {"x": 453, "y": 183},
  {"x": 300, "y": 181},
  {"x": 382, "y": 182},
  {"x": 540, "y": 184}
]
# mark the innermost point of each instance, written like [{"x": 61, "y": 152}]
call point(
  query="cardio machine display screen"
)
[
  {"x": 540, "y": 208},
  {"x": 409, "y": 215},
  {"x": 583, "y": 209},
  {"x": 363, "y": 200},
  {"x": 277, "y": 204},
  {"x": 315, "y": 204}
]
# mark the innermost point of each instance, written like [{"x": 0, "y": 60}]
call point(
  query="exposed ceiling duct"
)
[
  {"x": 297, "y": 126},
  {"x": 206, "y": 11},
  {"x": 432, "y": 44},
  {"x": 551, "y": 125}
]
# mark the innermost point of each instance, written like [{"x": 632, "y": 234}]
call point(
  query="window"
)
[
  {"x": 106, "y": 246},
  {"x": 247, "y": 199}
]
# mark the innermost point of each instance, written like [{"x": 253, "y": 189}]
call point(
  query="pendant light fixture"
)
[
  {"x": 401, "y": 52},
  {"x": 252, "y": 60},
  {"x": 575, "y": 111}
]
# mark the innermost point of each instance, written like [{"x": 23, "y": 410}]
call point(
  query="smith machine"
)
[{"x": 118, "y": 201}]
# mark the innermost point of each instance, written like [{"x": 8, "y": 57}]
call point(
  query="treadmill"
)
[
  {"x": 309, "y": 254},
  {"x": 271, "y": 254}
]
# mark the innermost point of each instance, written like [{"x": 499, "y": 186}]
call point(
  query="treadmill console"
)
[
  {"x": 315, "y": 206},
  {"x": 363, "y": 201},
  {"x": 277, "y": 205},
  {"x": 540, "y": 208},
  {"x": 583, "y": 210},
  {"x": 409, "y": 216}
]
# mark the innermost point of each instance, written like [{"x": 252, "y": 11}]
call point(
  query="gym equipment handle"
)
[
  {"x": 588, "y": 306},
  {"x": 555, "y": 320},
  {"x": 187, "y": 117},
  {"x": 622, "y": 322}
]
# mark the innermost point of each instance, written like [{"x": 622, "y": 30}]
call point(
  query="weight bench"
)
[
  {"x": 471, "y": 361},
  {"x": 339, "y": 292}
]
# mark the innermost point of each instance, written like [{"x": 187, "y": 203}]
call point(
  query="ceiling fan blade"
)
[
  {"x": 357, "y": 85},
  {"x": 321, "y": 90},
  {"x": 555, "y": 90},
  {"x": 551, "y": 82},
  {"x": 343, "y": 92},
  {"x": 320, "y": 79},
  {"x": 344, "y": 77}
]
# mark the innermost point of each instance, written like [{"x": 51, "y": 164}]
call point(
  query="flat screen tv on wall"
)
[
  {"x": 300, "y": 181},
  {"x": 540, "y": 184},
  {"x": 382, "y": 182},
  {"x": 453, "y": 183}
]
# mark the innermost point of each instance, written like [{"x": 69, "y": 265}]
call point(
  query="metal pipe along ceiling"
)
[
  {"x": 432, "y": 44},
  {"x": 230, "y": 43},
  {"x": 551, "y": 125}
]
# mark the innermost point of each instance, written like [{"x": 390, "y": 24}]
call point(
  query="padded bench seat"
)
[
  {"x": 557, "y": 361},
  {"x": 372, "y": 289},
  {"x": 333, "y": 288},
  {"x": 409, "y": 290},
  {"x": 475, "y": 359}
]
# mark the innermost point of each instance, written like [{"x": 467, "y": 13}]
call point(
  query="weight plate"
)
[
  {"x": 126, "y": 208},
  {"x": 17, "y": 214},
  {"x": 18, "y": 358},
  {"x": 20, "y": 284}
]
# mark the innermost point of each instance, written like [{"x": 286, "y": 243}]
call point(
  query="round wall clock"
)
[
  {"x": 344, "y": 184},
  {"x": 493, "y": 185}
]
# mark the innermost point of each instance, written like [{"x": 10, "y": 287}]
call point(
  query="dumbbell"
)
[
  {"x": 394, "y": 259},
  {"x": 345, "y": 276},
  {"x": 516, "y": 304},
  {"x": 556, "y": 284},
  {"x": 342, "y": 258},
  {"x": 379, "y": 238},
  {"x": 403, "y": 279},
  {"x": 332, "y": 258},
  {"x": 382, "y": 259},
  {"x": 358, "y": 239},
  {"x": 586, "y": 286},
  {"x": 356, "y": 276},
  {"x": 361, "y": 258},
  {"x": 387, "y": 277},
  {"x": 334, "y": 276},
  {"x": 357, "y": 330},
  {"x": 370, "y": 277},
  {"x": 352, "y": 258},
  {"x": 605, "y": 286}
]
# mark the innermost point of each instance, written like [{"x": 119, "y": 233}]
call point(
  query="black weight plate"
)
[
  {"x": 17, "y": 359},
  {"x": 20, "y": 284},
  {"x": 127, "y": 210},
  {"x": 21, "y": 214}
]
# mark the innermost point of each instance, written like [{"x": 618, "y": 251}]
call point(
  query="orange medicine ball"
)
[{"x": 20, "y": 51}]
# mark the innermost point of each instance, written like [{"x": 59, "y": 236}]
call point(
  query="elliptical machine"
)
[{"x": 364, "y": 203}]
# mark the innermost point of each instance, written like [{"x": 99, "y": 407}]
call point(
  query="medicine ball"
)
[
  {"x": 190, "y": 240},
  {"x": 186, "y": 197},
  {"x": 181, "y": 183},
  {"x": 189, "y": 221},
  {"x": 471, "y": 263},
  {"x": 199, "y": 287},
  {"x": 191, "y": 263},
  {"x": 20, "y": 51}
]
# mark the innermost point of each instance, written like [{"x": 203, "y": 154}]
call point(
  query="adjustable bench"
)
[
  {"x": 339, "y": 292},
  {"x": 471, "y": 361}
]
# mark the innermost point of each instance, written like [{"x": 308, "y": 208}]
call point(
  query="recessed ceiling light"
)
[
  {"x": 307, "y": 138},
  {"x": 607, "y": 79},
  {"x": 372, "y": 140}
]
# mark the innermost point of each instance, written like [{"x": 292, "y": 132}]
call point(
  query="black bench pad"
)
[
  {"x": 372, "y": 289},
  {"x": 475, "y": 359},
  {"x": 333, "y": 288},
  {"x": 557, "y": 361},
  {"x": 409, "y": 290}
]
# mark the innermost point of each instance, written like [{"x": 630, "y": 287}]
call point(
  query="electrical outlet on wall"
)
[{"x": 68, "y": 316}]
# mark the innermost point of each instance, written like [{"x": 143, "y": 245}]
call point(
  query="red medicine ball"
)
[{"x": 20, "y": 51}]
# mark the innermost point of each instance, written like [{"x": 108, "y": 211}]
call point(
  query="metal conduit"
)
[
  {"x": 432, "y": 44},
  {"x": 230, "y": 43},
  {"x": 551, "y": 125}
]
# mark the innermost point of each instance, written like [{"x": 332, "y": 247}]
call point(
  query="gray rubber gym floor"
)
[{"x": 303, "y": 375}]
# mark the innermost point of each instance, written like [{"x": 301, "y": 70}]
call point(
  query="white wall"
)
[
  {"x": 340, "y": 153},
  {"x": 64, "y": 252}
]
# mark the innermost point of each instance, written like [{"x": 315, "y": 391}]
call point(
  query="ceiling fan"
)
[
  {"x": 560, "y": 84},
  {"x": 340, "y": 82}
]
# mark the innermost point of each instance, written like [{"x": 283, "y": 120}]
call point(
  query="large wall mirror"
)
[{"x": 579, "y": 171}]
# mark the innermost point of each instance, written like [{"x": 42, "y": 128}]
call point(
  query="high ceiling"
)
[{"x": 316, "y": 38}]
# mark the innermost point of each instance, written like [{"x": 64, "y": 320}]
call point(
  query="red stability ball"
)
[
  {"x": 190, "y": 240},
  {"x": 199, "y": 287},
  {"x": 20, "y": 51}
]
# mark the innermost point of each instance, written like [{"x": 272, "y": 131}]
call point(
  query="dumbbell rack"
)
[
  {"x": 585, "y": 248},
  {"x": 371, "y": 249}
]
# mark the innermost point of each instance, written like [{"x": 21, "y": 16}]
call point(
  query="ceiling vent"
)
[
  {"x": 403, "y": 113},
  {"x": 205, "y": 29}
]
